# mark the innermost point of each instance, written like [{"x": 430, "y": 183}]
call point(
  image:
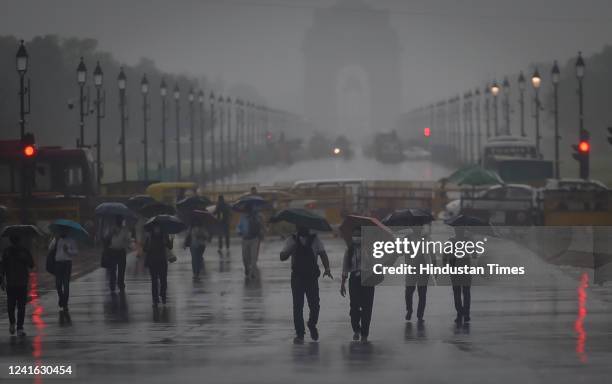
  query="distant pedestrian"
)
[
  {"x": 156, "y": 250},
  {"x": 196, "y": 240},
  {"x": 361, "y": 297},
  {"x": 462, "y": 284},
  {"x": 119, "y": 241},
  {"x": 253, "y": 190},
  {"x": 223, "y": 212},
  {"x": 15, "y": 265},
  {"x": 304, "y": 248},
  {"x": 65, "y": 249},
  {"x": 418, "y": 281},
  {"x": 250, "y": 228}
]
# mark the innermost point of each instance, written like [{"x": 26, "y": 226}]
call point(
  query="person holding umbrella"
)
[
  {"x": 305, "y": 248},
  {"x": 118, "y": 241},
  {"x": 196, "y": 240},
  {"x": 65, "y": 248},
  {"x": 157, "y": 246},
  {"x": 251, "y": 229},
  {"x": 224, "y": 215},
  {"x": 15, "y": 265}
]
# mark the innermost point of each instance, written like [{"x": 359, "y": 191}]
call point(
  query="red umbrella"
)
[{"x": 352, "y": 222}]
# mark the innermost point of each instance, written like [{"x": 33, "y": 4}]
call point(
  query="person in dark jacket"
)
[
  {"x": 15, "y": 266},
  {"x": 462, "y": 284},
  {"x": 223, "y": 212},
  {"x": 156, "y": 247},
  {"x": 304, "y": 248},
  {"x": 417, "y": 282}
]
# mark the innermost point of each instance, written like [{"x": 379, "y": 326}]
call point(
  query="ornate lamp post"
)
[
  {"x": 98, "y": 80},
  {"x": 191, "y": 98},
  {"x": 81, "y": 79},
  {"x": 495, "y": 91},
  {"x": 213, "y": 155},
  {"x": 202, "y": 136},
  {"x": 121, "y": 83},
  {"x": 163, "y": 92},
  {"x": 536, "y": 81},
  {"x": 177, "y": 108},
  {"x": 144, "y": 89},
  {"x": 555, "y": 76},
  {"x": 506, "y": 90},
  {"x": 521, "y": 86}
]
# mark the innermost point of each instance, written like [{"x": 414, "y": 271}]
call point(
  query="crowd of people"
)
[{"x": 304, "y": 248}]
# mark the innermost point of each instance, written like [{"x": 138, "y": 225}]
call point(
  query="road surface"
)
[{"x": 223, "y": 330}]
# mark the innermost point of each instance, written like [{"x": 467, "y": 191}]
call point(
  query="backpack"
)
[
  {"x": 254, "y": 228},
  {"x": 304, "y": 262}
]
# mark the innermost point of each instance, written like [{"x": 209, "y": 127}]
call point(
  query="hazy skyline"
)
[{"x": 447, "y": 46}]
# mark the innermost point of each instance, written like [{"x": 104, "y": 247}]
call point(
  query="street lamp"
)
[
  {"x": 213, "y": 155},
  {"x": 536, "y": 81},
  {"x": 221, "y": 138},
  {"x": 583, "y": 134},
  {"x": 495, "y": 91},
  {"x": 21, "y": 62},
  {"x": 506, "y": 90},
  {"x": 555, "y": 76},
  {"x": 163, "y": 92},
  {"x": 478, "y": 122},
  {"x": 202, "y": 133},
  {"x": 100, "y": 99},
  {"x": 487, "y": 92},
  {"x": 191, "y": 98},
  {"x": 237, "y": 135},
  {"x": 121, "y": 83},
  {"x": 228, "y": 107},
  {"x": 81, "y": 79},
  {"x": 177, "y": 96},
  {"x": 144, "y": 89},
  {"x": 521, "y": 86}
]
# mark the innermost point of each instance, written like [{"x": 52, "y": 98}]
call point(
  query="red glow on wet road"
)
[
  {"x": 38, "y": 322},
  {"x": 582, "y": 312}
]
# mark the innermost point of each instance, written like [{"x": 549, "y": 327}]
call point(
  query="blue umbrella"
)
[
  {"x": 250, "y": 201},
  {"x": 113, "y": 209},
  {"x": 167, "y": 223},
  {"x": 74, "y": 229}
]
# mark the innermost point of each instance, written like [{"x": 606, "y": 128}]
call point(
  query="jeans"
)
[
  {"x": 462, "y": 306},
  {"x": 422, "y": 292},
  {"x": 197, "y": 259},
  {"x": 16, "y": 298},
  {"x": 63, "y": 270},
  {"x": 299, "y": 288},
  {"x": 362, "y": 301},
  {"x": 159, "y": 282},
  {"x": 116, "y": 269}
]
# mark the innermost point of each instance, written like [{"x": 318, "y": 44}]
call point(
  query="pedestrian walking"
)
[
  {"x": 361, "y": 297},
  {"x": 223, "y": 213},
  {"x": 65, "y": 249},
  {"x": 157, "y": 246},
  {"x": 419, "y": 281},
  {"x": 461, "y": 284},
  {"x": 119, "y": 241},
  {"x": 250, "y": 228},
  {"x": 305, "y": 248},
  {"x": 196, "y": 240},
  {"x": 15, "y": 265}
]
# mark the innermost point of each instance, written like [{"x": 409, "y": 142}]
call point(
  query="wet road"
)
[{"x": 222, "y": 330}]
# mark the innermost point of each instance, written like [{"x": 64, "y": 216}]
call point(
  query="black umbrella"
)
[
  {"x": 474, "y": 224},
  {"x": 302, "y": 218},
  {"x": 135, "y": 203},
  {"x": 114, "y": 209},
  {"x": 21, "y": 230},
  {"x": 194, "y": 202},
  {"x": 156, "y": 208},
  {"x": 408, "y": 217},
  {"x": 250, "y": 201},
  {"x": 167, "y": 223}
]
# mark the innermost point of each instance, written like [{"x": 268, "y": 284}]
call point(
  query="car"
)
[{"x": 575, "y": 185}]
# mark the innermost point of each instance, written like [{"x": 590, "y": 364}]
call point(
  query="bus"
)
[{"x": 516, "y": 160}]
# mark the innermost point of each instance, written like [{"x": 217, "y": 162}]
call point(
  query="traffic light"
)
[
  {"x": 581, "y": 154},
  {"x": 426, "y": 131},
  {"x": 28, "y": 146}
]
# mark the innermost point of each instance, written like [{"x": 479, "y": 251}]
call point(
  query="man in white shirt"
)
[
  {"x": 65, "y": 249},
  {"x": 304, "y": 248}
]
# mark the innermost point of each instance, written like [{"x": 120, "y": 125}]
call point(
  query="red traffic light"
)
[
  {"x": 584, "y": 147},
  {"x": 29, "y": 150},
  {"x": 426, "y": 132}
]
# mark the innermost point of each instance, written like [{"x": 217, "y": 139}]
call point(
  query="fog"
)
[{"x": 444, "y": 46}]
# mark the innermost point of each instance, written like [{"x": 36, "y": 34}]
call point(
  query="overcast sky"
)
[{"x": 448, "y": 45}]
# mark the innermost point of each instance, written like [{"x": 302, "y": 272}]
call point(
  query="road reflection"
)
[{"x": 582, "y": 312}]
